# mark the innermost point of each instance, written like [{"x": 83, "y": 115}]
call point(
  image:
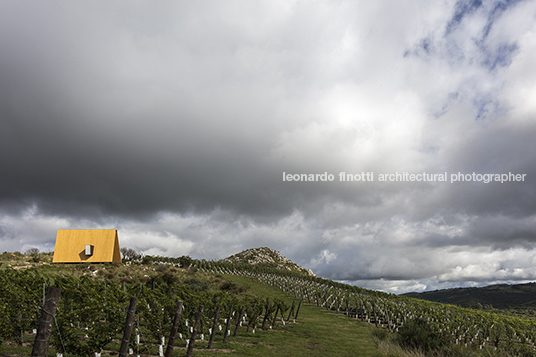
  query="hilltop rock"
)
[{"x": 266, "y": 256}]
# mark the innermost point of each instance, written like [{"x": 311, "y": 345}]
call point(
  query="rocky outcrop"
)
[{"x": 266, "y": 256}]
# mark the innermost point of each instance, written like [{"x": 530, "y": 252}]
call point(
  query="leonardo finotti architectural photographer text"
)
[{"x": 407, "y": 177}]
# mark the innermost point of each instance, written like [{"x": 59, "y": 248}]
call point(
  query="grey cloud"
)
[{"x": 174, "y": 123}]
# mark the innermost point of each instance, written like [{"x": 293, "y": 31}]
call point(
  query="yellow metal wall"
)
[{"x": 71, "y": 246}]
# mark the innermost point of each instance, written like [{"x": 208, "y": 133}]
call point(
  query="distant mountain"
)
[
  {"x": 268, "y": 257},
  {"x": 499, "y": 296}
]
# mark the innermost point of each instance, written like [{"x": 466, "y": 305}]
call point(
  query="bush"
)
[
  {"x": 379, "y": 334},
  {"x": 185, "y": 261},
  {"x": 167, "y": 275},
  {"x": 232, "y": 287},
  {"x": 512, "y": 349},
  {"x": 228, "y": 285},
  {"x": 417, "y": 334},
  {"x": 196, "y": 284},
  {"x": 147, "y": 259},
  {"x": 11, "y": 256}
]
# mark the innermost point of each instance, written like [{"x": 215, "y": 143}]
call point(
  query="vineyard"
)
[
  {"x": 218, "y": 309},
  {"x": 467, "y": 327}
]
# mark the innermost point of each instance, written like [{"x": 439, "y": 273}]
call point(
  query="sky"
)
[{"x": 191, "y": 126}]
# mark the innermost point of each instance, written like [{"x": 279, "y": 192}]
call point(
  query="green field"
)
[{"x": 317, "y": 332}]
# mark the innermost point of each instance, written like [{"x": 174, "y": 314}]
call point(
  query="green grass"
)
[{"x": 317, "y": 332}]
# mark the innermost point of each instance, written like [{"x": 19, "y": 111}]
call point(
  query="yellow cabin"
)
[{"x": 87, "y": 246}]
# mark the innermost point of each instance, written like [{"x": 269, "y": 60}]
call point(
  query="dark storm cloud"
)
[
  {"x": 132, "y": 114},
  {"x": 175, "y": 121},
  {"x": 78, "y": 128}
]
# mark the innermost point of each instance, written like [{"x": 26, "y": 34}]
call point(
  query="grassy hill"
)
[
  {"x": 502, "y": 296},
  {"x": 314, "y": 332},
  {"x": 289, "y": 311}
]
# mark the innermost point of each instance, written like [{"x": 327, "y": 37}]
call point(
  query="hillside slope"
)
[{"x": 499, "y": 296}]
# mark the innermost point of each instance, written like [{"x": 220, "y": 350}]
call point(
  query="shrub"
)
[
  {"x": 185, "y": 261},
  {"x": 379, "y": 334},
  {"x": 228, "y": 285},
  {"x": 110, "y": 275},
  {"x": 232, "y": 287},
  {"x": 196, "y": 284},
  {"x": 169, "y": 277},
  {"x": 418, "y": 334}
]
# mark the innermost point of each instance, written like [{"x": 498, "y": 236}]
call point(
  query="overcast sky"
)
[{"x": 174, "y": 121}]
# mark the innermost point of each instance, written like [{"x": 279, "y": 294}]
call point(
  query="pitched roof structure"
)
[{"x": 86, "y": 245}]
